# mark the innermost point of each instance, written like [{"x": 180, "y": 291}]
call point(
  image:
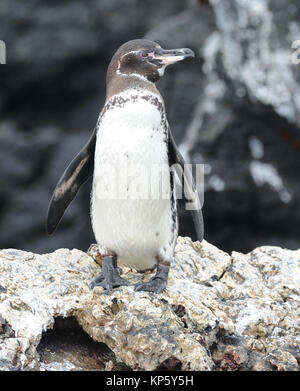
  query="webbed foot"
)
[
  {"x": 157, "y": 283},
  {"x": 110, "y": 275}
]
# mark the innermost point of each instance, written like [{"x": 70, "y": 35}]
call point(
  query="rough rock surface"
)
[{"x": 219, "y": 312}]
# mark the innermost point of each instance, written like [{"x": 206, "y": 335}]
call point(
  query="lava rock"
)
[{"x": 218, "y": 312}]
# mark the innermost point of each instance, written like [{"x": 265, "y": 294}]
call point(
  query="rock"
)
[
  {"x": 245, "y": 126},
  {"x": 254, "y": 41},
  {"x": 219, "y": 312}
]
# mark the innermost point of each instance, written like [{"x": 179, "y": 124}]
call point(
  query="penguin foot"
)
[
  {"x": 158, "y": 283},
  {"x": 110, "y": 275}
]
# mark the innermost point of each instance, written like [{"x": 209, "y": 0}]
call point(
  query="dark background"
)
[{"x": 236, "y": 108}]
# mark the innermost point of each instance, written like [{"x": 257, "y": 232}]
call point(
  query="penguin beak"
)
[{"x": 168, "y": 57}]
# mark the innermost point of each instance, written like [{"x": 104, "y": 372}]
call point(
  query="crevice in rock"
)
[
  {"x": 227, "y": 352},
  {"x": 170, "y": 364},
  {"x": 226, "y": 269},
  {"x": 5, "y": 329},
  {"x": 67, "y": 347},
  {"x": 179, "y": 311}
]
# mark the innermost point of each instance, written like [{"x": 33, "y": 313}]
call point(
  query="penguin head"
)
[{"x": 145, "y": 59}]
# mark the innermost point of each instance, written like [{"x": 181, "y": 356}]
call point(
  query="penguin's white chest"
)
[{"x": 131, "y": 207}]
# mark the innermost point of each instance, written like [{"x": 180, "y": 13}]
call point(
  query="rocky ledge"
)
[{"x": 219, "y": 311}]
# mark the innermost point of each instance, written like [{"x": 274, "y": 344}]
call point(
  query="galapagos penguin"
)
[{"x": 132, "y": 131}]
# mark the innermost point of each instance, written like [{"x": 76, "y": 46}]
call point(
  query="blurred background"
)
[{"x": 235, "y": 108}]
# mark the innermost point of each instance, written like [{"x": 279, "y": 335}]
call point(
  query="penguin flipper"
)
[
  {"x": 79, "y": 171},
  {"x": 190, "y": 191}
]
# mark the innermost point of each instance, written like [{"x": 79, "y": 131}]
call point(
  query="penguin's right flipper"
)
[
  {"x": 190, "y": 191},
  {"x": 79, "y": 171}
]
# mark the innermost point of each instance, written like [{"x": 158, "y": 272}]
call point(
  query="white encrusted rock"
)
[{"x": 219, "y": 312}]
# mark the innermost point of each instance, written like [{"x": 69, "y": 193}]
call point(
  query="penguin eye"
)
[{"x": 145, "y": 54}]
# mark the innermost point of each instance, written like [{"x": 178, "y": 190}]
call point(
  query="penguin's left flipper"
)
[
  {"x": 110, "y": 275},
  {"x": 190, "y": 191},
  {"x": 79, "y": 171}
]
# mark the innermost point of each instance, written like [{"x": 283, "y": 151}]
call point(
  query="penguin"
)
[{"x": 132, "y": 131}]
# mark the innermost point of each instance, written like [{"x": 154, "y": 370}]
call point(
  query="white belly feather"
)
[{"x": 138, "y": 230}]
